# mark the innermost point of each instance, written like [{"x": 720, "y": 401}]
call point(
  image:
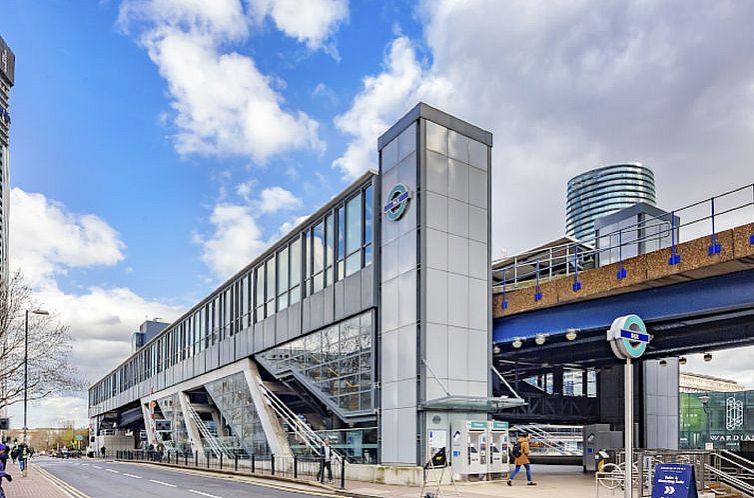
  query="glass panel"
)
[
  {"x": 270, "y": 291},
  {"x": 282, "y": 269},
  {"x": 337, "y": 359},
  {"x": 330, "y": 249},
  {"x": 296, "y": 262},
  {"x": 260, "y": 293},
  {"x": 368, "y": 194},
  {"x": 353, "y": 263},
  {"x": 353, "y": 225},
  {"x": 318, "y": 247}
]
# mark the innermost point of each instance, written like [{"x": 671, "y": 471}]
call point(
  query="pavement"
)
[
  {"x": 35, "y": 485},
  {"x": 96, "y": 478}
]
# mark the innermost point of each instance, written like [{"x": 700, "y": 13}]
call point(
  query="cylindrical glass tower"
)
[{"x": 603, "y": 191}]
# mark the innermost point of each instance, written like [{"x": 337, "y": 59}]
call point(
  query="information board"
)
[{"x": 674, "y": 480}]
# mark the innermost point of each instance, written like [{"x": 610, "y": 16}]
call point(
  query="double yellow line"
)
[{"x": 61, "y": 484}]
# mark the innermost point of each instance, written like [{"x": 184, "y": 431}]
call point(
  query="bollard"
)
[
  {"x": 342, "y": 473},
  {"x": 272, "y": 463},
  {"x": 185, "y": 458},
  {"x": 235, "y": 462},
  {"x": 253, "y": 463},
  {"x": 221, "y": 461},
  {"x": 206, "y": 457},
  {"x": 295, "y": 467},
  {"x": 196, "y": 459},
  {"x": 321, "y": 474}
]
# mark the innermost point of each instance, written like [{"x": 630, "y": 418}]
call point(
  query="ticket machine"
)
[
  {"x": 469, "y": 444},
  {"x": 497, "y": 463}
]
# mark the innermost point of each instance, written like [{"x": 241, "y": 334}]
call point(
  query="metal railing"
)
[
  {"x": 702, "y": 218},
  {"x": 732, "y": 470},
  {"x": 563, "y": 440},
  {"x": 304, "y": 469},
  {"x": 301, "y": 431},
  {"x": 216, "y": 445}
]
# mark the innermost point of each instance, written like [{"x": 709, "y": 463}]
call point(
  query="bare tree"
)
[{"x": 50, "y": 370}]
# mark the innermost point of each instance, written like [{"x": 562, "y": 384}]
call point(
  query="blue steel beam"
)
[{"x": 687, "y": 299}]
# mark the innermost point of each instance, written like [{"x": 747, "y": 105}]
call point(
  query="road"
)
[{"x": 110, "y": 479}]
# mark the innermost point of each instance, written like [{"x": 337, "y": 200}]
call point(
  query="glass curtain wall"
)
[{"x": 337, "y": 360}]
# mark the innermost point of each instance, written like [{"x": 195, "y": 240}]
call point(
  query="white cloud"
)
[
  {"x": 223, "y": 104},
  {"x": 310, "y": 22},
  {"x": 236, "y": 240},
  {"x": 384, "y": 98},
  {"x": 51, "y": 411},
  {"x": 47, "y": 238},
  {"x": 274, "y": 199}
]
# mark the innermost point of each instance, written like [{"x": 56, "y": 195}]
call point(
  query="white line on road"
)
[
  {"x": 85, "y": 464},
  {"x": 131, "y": 475},
  {"x": 163, "y": 483},
  {"x": 113, "y": 471},
  {"x": 203, "y": 493},
  {"x": 97, "y": 467}
]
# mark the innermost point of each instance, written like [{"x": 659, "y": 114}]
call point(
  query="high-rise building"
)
[
  {"x": 7, "y": 63},
  {"x": 603, "y": 191}
]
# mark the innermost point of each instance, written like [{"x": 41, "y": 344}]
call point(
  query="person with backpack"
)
[
  {"x": 520, "y": 453},
  {"x": 3, "y": 460}
]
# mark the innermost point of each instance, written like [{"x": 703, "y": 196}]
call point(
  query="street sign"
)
[
  {"x": 628, "y": 337},
  {"x": 634, "y": 336},
  {"x": 4, "y": 423},
  {"x": 674, "y": 480},
  {"x": 79, "y": 438}
]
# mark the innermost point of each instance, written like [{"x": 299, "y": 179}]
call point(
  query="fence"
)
[
  {"x": 301, "y": 468},
  {"x": 703, "y": 218}
]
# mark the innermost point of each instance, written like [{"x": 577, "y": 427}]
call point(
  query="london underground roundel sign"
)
[
  {"x": 628, "y": 337},
  {"x": 397, "y": 202}
]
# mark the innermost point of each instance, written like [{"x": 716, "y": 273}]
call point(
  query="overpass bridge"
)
[{"x": 549, "y": 321}]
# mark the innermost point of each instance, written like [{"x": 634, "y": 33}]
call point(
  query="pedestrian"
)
[
  {"x": 325, "y": 455},
  {"x": 23, "y": 456},
  {"x": 3, "y": 459},
  {"x": 521, "y": 454},
  {"x": 102, "y": 451}
]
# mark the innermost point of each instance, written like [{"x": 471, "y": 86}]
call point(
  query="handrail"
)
[
  {"x": 747, "y": 468},
  {"x": 730, "y": 480},
  {"x": 546, "y": 438},
  {"x": 309, "y": 436},
  {"x": 215, "y": 445},
  {"x": 574, "y": 254}
]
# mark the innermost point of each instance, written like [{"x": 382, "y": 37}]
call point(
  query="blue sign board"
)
[
  {"x": 634, "y": 336},
  {"x": 674, "y": 480}
]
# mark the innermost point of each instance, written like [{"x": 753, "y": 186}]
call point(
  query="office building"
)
[
  {"x": 7, "y": 67},
  {"x": 603, "y": 191}
]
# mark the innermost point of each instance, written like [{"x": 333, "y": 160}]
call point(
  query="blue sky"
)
[{"x": 159, "y": 145}]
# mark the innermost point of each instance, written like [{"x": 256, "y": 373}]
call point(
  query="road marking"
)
[
  {"x": 113, "y": 471},
  {"x": 163, "y": 483},
  {"x": 97, "y": 467},
  {"x": 131, "y": 475},
  {"x": 203, "y": 493},
  {"x": 85, "y": 464}
]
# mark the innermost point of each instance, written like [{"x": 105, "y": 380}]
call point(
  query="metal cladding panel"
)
[
  {"x": 294, "y": 320},
  {"x": 269, "y": 332},
  {"x": 258, "y": 336},
  {"x": 7, "y": 62},
  {"x": 317, "y": 310},
  {"x": 227, "y": 350},
  {"x": 281, "y": 326},
  {"x": 244, "y": 343},
  {"x": 212, "y": 356},
  {"x": 306, "y": 321},
  {"x": 353, "y": 294},
  {"x": 339, "y": 300},
  {"x": 367, "y": 287},
  {"x": 329, "y": 304}
]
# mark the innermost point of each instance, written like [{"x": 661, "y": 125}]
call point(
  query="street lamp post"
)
[
  {"x": 26, "y": 384},
  {"x": 705, "y": 406}
]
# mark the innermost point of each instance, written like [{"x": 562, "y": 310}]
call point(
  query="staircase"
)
[
  {"x": 557, "y": 440},
  {"x": 296, "y": 427},
  {"x": 730, "y": 475},
  {"x": 226, "y": 446}
]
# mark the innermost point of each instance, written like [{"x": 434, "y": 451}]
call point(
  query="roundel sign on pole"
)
[
  {"x": 397, "y": 202},
  {"x": 628, "y": 337}
]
